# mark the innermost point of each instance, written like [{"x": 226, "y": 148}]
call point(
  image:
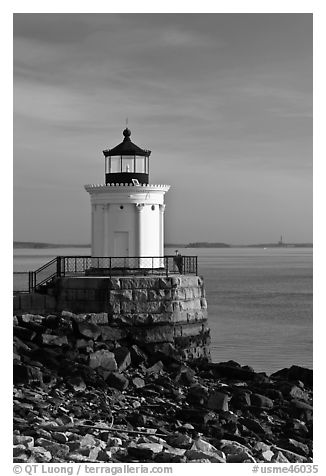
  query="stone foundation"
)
[{"x": 158, "y": 313}]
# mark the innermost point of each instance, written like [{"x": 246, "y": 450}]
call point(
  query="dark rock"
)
[
  {"x": 137, "y": 355},
  {"x": 261, "y": 401},
  {"x": 123, "y": 358},
  {"x": 197, "y": 393},
  {"x": 50, "y": 339},
  {"x": 117, "y": 380},
  {"x": 295, "y": 373},
  {"x": 253, "y": 425},
  {"x": 218, "y": 401},
  {"x": 301, "y": 410},
  {"x": 92, "y": 331},
  {"x": 293, "y": 392},
  {"x": 180, "y": 440},
  {"x": 156, "y": 368},
  {"x": 293, "y": 445},
  {"x": 196, "y": 416},
  {"x": 232, "y": 372},
  {"x": 185, "y": 376},
  {"x": 240, "y": 399}
]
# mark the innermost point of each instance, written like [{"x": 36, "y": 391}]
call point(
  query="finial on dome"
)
[{"x": 127, "y": 132}]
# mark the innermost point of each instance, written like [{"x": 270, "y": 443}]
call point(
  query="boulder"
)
[
  {"x": 50, "y": 339},
  {"x": 103, "y": 358},
  {"x": 87, "y": 329},
  {"x": 260, "y": 401},
  {"x": 195, "y": 456},
  {"x": 26, "y": 441},
  {"x": 138, "y": 382},
  {"x": 122, "y": 357},
  {"x": 179, "y": 440},
  {"x": 56, "y": 449},
  {"x": 40, "y": 455},
  {"x": 218, "y": 401},
  {"x": 301, "y": 410},
  {"x": 117, "y": 380},
  {"x": 294, "y": 446},
  {"x": 137, "y": 355}
]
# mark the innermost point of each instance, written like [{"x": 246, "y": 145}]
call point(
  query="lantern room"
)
[{"x": 126, "y": 162}]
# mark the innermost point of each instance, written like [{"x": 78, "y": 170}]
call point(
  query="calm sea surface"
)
[{"x": 259, "y": 301}]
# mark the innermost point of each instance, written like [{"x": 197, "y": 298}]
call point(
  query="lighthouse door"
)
[{"x": 121, "y": 243}]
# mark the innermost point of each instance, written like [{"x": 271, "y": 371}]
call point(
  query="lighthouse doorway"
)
[{"x": 121, "y": 243}]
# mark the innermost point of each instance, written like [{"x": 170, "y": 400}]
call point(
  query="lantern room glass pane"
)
[
  {"x": 140, "y": 165},
  {"x": 115, "y": 165},
  {"x": 127, "y": 163}
]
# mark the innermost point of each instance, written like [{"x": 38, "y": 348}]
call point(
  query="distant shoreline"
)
[{"x": 36, "y": 245}]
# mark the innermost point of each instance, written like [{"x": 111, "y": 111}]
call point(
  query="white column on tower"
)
[
  {"x": 162, "y": 208},
  {"x": 105, "y": 229}
]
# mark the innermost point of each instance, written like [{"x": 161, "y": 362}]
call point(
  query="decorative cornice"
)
[{"x": 116, "y": 187}]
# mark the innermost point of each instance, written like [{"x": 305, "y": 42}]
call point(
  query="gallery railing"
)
[{"x": 111, "y": 266}]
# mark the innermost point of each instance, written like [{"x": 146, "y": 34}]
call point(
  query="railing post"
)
[
  {"x": 196, "y": 261},
  {"x": 58, "y": 266},
  {"x": 110, "y": 267},
  {"x": 166, "y": 258}
]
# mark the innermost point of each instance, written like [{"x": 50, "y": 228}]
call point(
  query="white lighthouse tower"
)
[{"x": 127, "y": 211}]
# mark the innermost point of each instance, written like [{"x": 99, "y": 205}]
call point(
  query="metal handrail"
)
[{"x": 72, "y": 265}]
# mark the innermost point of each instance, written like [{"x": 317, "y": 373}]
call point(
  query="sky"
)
[{"x": 223, "y": 101}]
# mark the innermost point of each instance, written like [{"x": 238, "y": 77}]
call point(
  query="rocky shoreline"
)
[{"x": 80, "y": 398}]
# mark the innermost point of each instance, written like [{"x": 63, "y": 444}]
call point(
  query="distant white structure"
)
[{"x": 128, "y": 212}]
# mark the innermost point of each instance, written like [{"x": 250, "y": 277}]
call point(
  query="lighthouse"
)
[{"x": 127, "y": 211}]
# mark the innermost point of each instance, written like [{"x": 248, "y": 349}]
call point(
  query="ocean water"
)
[{"x": 259, "y": 301}]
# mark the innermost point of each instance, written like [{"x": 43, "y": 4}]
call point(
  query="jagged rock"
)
[
  {"x": 50, "y": 339},
  {"x": 198, "y": 393},
  {"x": 294, "y": 446},
  {"x": 253, "y": 425},
  {"x": 137, "y": 355},
  {"x": 295, "y": 373},
  {"x": 123, "y": 358},
  {"x": 279, "y": 458},
  {"x": 291, "y": 456},
  {"x": 138, "y": 382},
  {"x": 103, "y": 358},
  {"x": 92, "y": 331},
  {"x": 77, "y": 383},
  {"x": 26, "y": 441},
  {"x": 232, "y": 447},
  {"x": 244, "y": 457},
  {"x": 267, "y": 455},
  {"x": 60, "y": 437},
  {"x": 118, "y": 381},
  {"x": 140, "y": 452},
  {"x": 218, "y": 401},
  {"x": 19, "y": 450},
  {"x": 240, "y": 399},
  {"x": 179, "y": 440},
  {"x": 35, "y": 318},
  {"x": 185, "y": 375},
  {"x": 88, "y": 441},
  {"x": 261, "y": 401},
  {"x": 293, "y": 391},
  {"x": 156, "y": 368},
  {"x": 195, "y": 455},
  {"x": 301, "y": 410},
  {"x": 56, "y": 449},
  {"x": 40, "y": 455},
  {"x": 199, "y": 416}
]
